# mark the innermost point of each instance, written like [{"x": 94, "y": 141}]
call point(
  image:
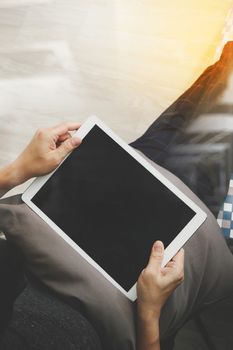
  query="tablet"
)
[{"x": 110, "y": 205}]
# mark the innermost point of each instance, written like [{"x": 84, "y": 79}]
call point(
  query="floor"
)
[{"x": 121, "y": 60}]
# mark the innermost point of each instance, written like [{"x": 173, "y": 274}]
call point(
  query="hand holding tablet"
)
[
  {"x": 155, "y": 283},
  {"x": 110, "y": 205}
]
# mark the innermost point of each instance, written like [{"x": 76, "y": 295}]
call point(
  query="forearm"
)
[
  {"x": 154, "y": 286},
  {"x": 148, "y": 332},
  {"x": 10, "y": 176}
]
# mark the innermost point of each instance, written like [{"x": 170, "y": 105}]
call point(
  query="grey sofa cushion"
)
[{"x": 208, "y": 273}]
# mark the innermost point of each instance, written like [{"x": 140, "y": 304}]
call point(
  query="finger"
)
[
  {"x": 156, "y": 257},
  {"x": 179, "y": 258},
  {"x": 174, "y": 270},
  {"x": 67, "y": 146},
  {"x": 63, "y": 128},
  {"x": 176, "y": 265},
  {"x": 64, "y": 137},
  {"x": 170, "y": 264}
]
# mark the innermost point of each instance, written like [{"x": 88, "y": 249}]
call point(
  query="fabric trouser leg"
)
[{"x": 170, "y": 130}]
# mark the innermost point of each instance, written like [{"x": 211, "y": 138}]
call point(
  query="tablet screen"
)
[{"x": 111, "y": 206}]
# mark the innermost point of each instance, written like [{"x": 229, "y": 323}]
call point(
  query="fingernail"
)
[
  {"x": 76, "y": 141},
  {"x": 158, "y": 245}
]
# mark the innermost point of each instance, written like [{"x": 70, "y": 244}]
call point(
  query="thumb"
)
[
  {"x": 67, "y": 146},
  {"x": 157, "y": 254}
]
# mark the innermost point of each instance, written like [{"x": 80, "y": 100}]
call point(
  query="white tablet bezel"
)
[{"x": 173, "y": 247}]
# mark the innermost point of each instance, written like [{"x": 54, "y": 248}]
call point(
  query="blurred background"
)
[{"x": 124, "y": 61}]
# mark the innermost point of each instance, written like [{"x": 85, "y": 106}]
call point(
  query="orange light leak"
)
[{"x": 168, "y": 43}]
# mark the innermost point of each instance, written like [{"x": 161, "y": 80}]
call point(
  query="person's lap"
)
[
  {"x": 208, "y": 270},
  {"x": 208, "y": 263}
]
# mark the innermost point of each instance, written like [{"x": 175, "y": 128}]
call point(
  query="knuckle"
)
[
  {"x": 140, "y": 278},
  {"x": 68, "y": 145},
  {"x": 148, "y": 273},
  {"x": 55, "y": 160},
  {"x": 158, "y": 255},
  {"x": 65, "y": 124},
  {"x": 62, "y": 125},
  {"x": 180, "y": 277},
  {"x": 40, "y": 133}
]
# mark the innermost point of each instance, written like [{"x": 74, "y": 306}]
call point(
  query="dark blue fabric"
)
[{"x": 170, "y": 130}]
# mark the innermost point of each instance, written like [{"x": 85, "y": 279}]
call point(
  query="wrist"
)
[
  {"x": 11, "y": 176},
  {"x": 148, "y": 329},
  {"x": 148, "y": 314}
]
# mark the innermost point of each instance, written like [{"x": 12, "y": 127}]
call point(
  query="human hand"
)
[
  {"x": 156, "y": 283},
  {"x": 45, "y": 152}
]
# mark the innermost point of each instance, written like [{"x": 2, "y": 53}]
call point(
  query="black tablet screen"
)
[{"x": 111, "y": 206}]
